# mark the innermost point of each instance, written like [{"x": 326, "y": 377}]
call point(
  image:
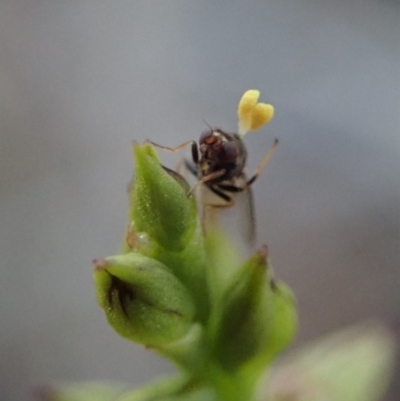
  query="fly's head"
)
[{"x": 221, "y": 151}]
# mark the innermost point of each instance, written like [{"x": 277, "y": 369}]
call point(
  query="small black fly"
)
[{"x": 218, "y": 163}]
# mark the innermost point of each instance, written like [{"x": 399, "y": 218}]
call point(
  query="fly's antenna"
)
[{"x": 208, "y": 125}]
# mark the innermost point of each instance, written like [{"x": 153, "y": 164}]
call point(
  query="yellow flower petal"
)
[
  {"x": 248, "y": 102},
  {"x": 244, "y": 125},
  {"x": 245, "y": 109},
  {"x": 253, "y": 115},
  {"x": 261, "y": 115}
]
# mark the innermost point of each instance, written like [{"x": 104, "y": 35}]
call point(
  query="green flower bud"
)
[
  {"x": 142, "y": 299},
  {"x": 159, "y": 203},
  {"x": 246, "y": 315},
  {"x": 164, "y": 225}
]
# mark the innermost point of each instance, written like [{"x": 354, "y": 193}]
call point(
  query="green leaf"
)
[{"x": 355, "y": 364}]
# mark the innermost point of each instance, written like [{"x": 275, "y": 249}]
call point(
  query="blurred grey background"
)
[{"x": 79, "y": 80}]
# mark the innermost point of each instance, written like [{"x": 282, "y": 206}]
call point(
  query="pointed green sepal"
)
[
  {"x": 142, "y": 299},
  {"x": 284, "y": 324},
  {"x": 246, "y": 314},
  {"x": 159, "y": 203},
  {"x": 282, "y": 328}
]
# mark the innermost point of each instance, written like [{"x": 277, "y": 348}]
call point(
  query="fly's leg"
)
[
  {"x": 195, "y": 156},
  {"x": 209, "y": 177},
  {"x": 193, "y": 169},
  {"x": 217, "y": 190},
  {"x": 193, "y": 144},
  {"x": 247, "y": 184},
  {"x": 211, "y": 215},
  {"x": 262, "y": 164},
  {"x": 257, "y": 172},
  {"x": 232, "y": 188}
]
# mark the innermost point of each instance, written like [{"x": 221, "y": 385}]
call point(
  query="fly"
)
[{"x": 218, "y": 163}]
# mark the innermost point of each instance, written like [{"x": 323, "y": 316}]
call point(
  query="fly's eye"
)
[{"x": 229, "y": 151}]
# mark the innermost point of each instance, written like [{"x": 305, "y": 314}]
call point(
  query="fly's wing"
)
[
  {"x": 236, "y": 220},
  {"x": 245, "y": 202},
  {"x": 244, "y": 205}
]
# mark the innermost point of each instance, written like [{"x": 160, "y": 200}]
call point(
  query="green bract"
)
[
  {"x": 189, "y": 297},
  {"x": 245, "y": 315},
  {"x": 143, "y": 301},
  {"x": 159, "y": 205}
]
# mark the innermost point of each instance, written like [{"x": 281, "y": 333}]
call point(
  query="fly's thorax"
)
[{"x": 221, "y": 151}]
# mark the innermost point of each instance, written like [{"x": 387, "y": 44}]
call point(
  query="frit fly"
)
[{"x": 219, "y": 159}]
